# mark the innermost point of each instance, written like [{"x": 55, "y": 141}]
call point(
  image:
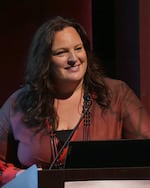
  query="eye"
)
[
  {"x": 79, "y": 48},
  {"x": 59, "y": 53}
]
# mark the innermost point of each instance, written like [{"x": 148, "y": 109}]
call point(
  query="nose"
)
[{"x": 72, "y": 58}]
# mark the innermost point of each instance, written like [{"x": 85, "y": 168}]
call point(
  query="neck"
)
[{"x": 67, "y": 90}]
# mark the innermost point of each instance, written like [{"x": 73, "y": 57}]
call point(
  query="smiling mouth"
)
[{"x": 72, "y": 67}]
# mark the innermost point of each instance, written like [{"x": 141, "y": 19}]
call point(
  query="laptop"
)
[{"x": 108, "y": 153}]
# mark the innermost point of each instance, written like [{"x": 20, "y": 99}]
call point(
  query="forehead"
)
[{"x": 66, "y": 36}]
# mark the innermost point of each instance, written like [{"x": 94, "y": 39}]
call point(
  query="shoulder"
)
[
  {"x": 16, "y": 93},
  {"x": 116, "y": 86},
  {"x": 122, "y": 93},
  {"x": 13, "y": 97},
  {"x": 120, "y": 89},
  {"x": 110, "y": 82}
]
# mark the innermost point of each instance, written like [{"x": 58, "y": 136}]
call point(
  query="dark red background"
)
[{"x": 126, "y": 45}]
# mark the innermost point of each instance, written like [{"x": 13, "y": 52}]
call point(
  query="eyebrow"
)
[{"x": 64, "y": 48}]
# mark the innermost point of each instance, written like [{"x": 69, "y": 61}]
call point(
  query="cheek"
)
[
  {"x": 84, "y": 60},
  {"x": 84, "y": 56},
  {"x": 57, "y": 68},
  {"x": 58, "y": 63}
]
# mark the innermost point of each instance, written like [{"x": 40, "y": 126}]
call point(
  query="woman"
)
[{"x": 65, "y": 96}]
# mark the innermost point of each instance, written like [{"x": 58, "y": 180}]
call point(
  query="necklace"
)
[
  {"x": 86, "y": 111},
  {"x": 56, "y": 153},
  {"x": 87, "y": 101}
]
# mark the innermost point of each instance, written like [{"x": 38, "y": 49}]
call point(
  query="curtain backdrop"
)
[
  {"x": 119, "y": 30},
  {"x": 19, "y": 21}
]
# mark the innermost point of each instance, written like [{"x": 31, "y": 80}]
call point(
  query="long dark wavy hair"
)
[{"x": 37, "y": 99}]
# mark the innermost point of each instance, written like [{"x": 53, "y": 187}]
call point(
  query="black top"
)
[{"x": 63, "y": 135}]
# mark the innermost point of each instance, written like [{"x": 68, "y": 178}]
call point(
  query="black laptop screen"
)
[{"x": 110, "y": 153}]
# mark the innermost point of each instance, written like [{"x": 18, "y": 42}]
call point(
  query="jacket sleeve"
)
[
  {"x": 136, "y": 120},
  {"x": 7, "y": 167}
]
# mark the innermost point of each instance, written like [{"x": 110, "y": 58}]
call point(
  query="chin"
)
[{"x": 76, "y": 80}]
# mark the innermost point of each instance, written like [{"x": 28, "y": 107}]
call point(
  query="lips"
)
[{"x": 73, "y": 67}]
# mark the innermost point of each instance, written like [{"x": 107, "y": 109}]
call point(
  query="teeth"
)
[{"x": 74, "y": 68}]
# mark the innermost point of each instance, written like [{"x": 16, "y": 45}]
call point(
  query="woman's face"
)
[{"x": 69, "y": 59}]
